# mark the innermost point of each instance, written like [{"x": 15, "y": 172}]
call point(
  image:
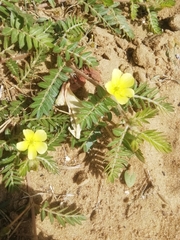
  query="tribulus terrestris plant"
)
[{"x": 32, "y": 121}]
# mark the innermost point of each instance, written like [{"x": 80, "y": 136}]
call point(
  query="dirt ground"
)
[{"x": 150, "y": 210}]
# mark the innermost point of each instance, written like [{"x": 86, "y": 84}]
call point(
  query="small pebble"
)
[{"x": 174, "y": 22}]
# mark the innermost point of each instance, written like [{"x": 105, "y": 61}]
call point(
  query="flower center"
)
[
  {"x": 116, "y": 89},
  {"x": 31, "y": 141}
]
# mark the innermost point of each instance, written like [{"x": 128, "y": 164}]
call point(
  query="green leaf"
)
[
  {"x": 29, "y": 42},
  {"x": 6, "y": 31},
  {"x": 117, "y": 156},
  {"x": 140, "y": 155},
  {"x": 167, "y": 3},
  {"x": 24, "y": 168},
  {"x": 21, "y": 40},
  {"x": 61, "y": 221},
  {"x": 108, "y": 2},
  {"x": 146, "y": 97},
  {"x": 129, "y": 178},
  {"x": 11, "y": 177},
  {"x": 52, "y": 3},
  {"x": 4, "y": 11},
  {"x": 7, "y": 160},
  {"x": 58, "y": 138},
  {"x": 73, "y": 28},
  {"x": 96, "y": 107},
  {"x": 160, "y": 4},
  {"x": 14, "y": 35},
  {"x": 28, "y": 73},
  {"x": 63, "y": 216},
  {"x": 18, "y": 22},
  {"x": 12, "y": 19},
  {"x": 133, "y": 143},
  {"x": 51, "y": 217},
  {"x": 43, "y": 212},
  {"x": 143, "y": 115},
  {"x": 134, "y": 9},
  {"x": 91, "y": 140},
  {"x": 117, "y": 132},
  {"x": 80, "y": 57},
  {"x": 156, "y": 139},
  {"x": 13, "y": 67},
  {"x": 45, "y": 99},
  {"x": 30, "y": 36},
  {"x": 48, "y": 163},
  {"x": 153, "y": 20},
  {"x": 110, "y": 16},
  {"x": 17, "y": 106}
]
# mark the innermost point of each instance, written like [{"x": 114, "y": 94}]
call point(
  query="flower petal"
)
[
  {"x": 126, "y": 81},
  {"x": 122, "y": 100},
  {"x": 32, "y": 153},
  {"x": 39, "y": 136},
  {"x": 127, "y": 92},
  {"x": 28, "y": 134},
  {"x": 109, "y": 87},
  {"x": 22, "y": 146},
  {"x": 41, "y": 147},
  {"x": 116, "y": 75}
]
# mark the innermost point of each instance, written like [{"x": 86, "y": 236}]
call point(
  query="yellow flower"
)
[
  {"x": 33, "y": 142},
  {"x": 119, "y": 86}
]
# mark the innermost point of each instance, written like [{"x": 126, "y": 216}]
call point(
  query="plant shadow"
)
[
  {"x": 16, "y": 218},
  {"x": 95, "y": 161}
]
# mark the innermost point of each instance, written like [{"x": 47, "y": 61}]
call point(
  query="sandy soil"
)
[{"x": 151, "y": 208}]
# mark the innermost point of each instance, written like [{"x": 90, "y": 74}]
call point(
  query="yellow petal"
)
[
  {"x": 109, "y": 87},
  {"x": 28, "y": 134},
  {"x": 41, "y": 147},
  {"x": 127, "y": 92},
  {"x": 32, "y": 153},
  {"x": 39, "y": 136},
  {"x": 126, "y": 81},
  {"x": 22, "y": 146},
  {"x": 122, "y": 100},
  {"x": 116, "y": 75}
]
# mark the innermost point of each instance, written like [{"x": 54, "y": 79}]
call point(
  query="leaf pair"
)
[{"x": 63, "y": 216}]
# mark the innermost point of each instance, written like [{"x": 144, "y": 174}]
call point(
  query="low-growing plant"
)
[
  {"x": 150, "y": 9},
  {"x": 32, "y": 121}
]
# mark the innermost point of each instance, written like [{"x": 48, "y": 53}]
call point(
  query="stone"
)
[
  {"x": 174, "y": 22},
  {"x": 143, "y": 57}
]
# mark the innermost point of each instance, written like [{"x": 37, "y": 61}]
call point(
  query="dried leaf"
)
[{"x": 67, "y": 97}]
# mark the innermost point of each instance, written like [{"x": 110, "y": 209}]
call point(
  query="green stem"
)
[
  {"x": 123, "y": 112},
  {"x": 149, "y": 100},
  {"x": 125, "y": 131},
  {"x": 119, "y": 145}
]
